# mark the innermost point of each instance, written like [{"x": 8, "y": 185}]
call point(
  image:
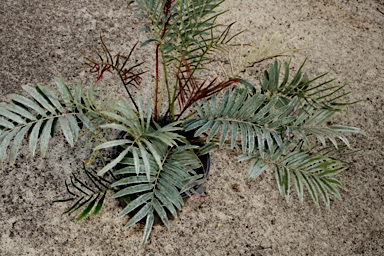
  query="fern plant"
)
[{"x": 283, "y": 123}]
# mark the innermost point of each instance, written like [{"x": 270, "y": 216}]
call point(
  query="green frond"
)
[
  {"x": 185, "y": 29},
  {"x": 314, "y": 123},
  {"x": 303, "y": 169},
  {"x": 161, "y": 193},
  {"x": 253, "y": 117},
  {"x": 141, "y": 140},
  {"x": 37, "y": 115},
  {"x": 88, "y": 194},
  {"x": 310, "y": 91}
]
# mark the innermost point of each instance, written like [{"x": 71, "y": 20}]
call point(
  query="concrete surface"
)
[{"x": 43, "y": 39}]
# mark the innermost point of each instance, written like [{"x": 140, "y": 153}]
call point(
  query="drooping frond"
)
[
  {"x": 39, "y": 115},
  {"x": 304, "y": 169},
  {"x": 315, "y": 123},
  {"x": 257, "y": 120},
  {"x": 160, "y": 194},
  {"x": 89, "y": 194}
]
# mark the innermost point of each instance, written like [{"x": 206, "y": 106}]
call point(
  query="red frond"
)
[{"x": 190, "y": 91}]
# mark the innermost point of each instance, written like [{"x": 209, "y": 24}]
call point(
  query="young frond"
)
[
  {"x": 119, "y": 64},
  {"x": 39, "y": 115},
  {"x": 190, "y": 91},
  {"x": 89, "y": 194}
]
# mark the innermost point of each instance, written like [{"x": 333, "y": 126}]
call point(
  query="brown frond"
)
[
  {"x": 99, "y": 69},
  {"x": 191, "y": 91},
  {"x": 108, "y": 63}
]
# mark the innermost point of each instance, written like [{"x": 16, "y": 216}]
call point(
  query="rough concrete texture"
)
[{"x": 43, "y": 39}]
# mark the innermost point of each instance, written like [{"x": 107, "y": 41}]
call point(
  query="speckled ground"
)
[{"x": 43, "y": 39}]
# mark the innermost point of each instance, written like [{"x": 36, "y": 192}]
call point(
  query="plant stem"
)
[
  {"x": 130, "y": 95},
  {"x": 157, "y": 83},
  {"x": 165, "y": 72},
  {"x": 156, "y": 110}
]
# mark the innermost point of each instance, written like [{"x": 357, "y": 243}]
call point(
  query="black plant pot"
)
[{"x": 205, "y": 160}]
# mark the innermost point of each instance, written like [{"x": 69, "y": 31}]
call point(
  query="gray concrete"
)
[{"x": 43, "y": 39}]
